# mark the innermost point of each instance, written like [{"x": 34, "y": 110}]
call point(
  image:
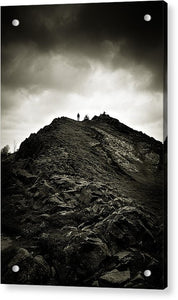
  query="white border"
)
[{"x": 45, "y": 292}]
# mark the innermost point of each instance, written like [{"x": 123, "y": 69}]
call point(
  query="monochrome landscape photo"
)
[{"x": 84, "y": 145}]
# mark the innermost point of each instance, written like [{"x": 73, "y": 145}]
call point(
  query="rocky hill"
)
[{"x": 83, "y": 204}]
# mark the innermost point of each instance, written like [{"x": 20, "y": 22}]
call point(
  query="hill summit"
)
[{"x": 82, "y": 204}]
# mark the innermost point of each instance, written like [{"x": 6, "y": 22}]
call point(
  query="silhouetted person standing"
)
[{"x": 78, "y": 117}]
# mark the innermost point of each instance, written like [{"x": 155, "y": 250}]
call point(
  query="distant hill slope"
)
[{"x": 83, "y": 205}]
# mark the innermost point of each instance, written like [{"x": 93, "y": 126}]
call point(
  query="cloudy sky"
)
[{"x": 90, "y": 58}]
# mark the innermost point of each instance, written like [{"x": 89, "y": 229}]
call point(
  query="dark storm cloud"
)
[
  {"x": 92, "y": 30},
  {"x": 87, "y": 58}
]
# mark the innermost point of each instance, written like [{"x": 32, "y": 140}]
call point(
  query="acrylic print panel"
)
[{"x": 83, "y": 146}]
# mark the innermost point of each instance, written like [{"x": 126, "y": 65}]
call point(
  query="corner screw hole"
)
[
  {"x": 147, "y": 273},
  {"x": 15, "y": 268},
  {"x": 147, "y": 17},
  {"x": 15, "y": 22}
]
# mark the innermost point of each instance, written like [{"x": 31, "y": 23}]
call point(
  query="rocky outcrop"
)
[{"x": 83, "y": 206}]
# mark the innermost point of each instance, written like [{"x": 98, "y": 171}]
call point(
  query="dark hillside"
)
[{"x": 82, "y": 204}]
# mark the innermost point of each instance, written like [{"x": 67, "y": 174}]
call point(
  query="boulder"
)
[
  {"x": 114, "y": 278},
  {"x": 25, "y": 176},
  {"x": 80, "y": 259}
]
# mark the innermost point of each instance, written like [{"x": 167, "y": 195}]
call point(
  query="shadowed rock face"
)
[{"x": 82, "y": 204}]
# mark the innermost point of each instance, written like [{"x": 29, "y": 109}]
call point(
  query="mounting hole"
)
[
  {"x": 15, "y": 268},
  {"x": 147, "y": 17},
  {"x": 147, "y": 273},
  {"x": 15, "y": 22}
]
